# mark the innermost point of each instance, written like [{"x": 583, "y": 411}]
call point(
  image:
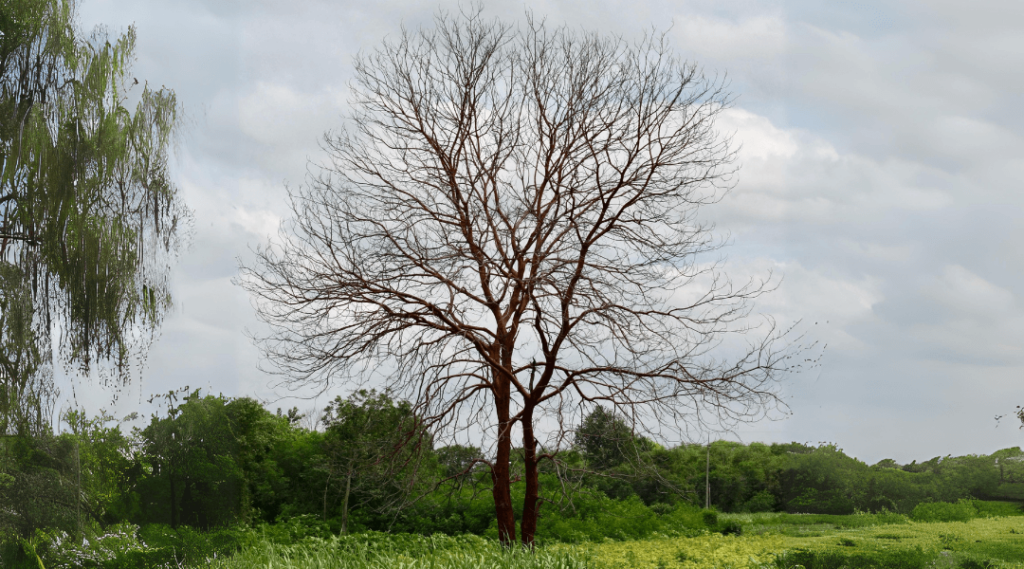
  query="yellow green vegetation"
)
[
  {"x": 325, "y": 554},
  {"x": 991, "y": 542},
  {"x": 997, "y": 537},
  {"x": 758, "y": 541},
  {"x": 712, "y": 550}
]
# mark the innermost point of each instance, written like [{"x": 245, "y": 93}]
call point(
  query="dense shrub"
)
[
  {"x": 998, "y": 509},
  {"x": 295, "y": 529},
  {"x": 600, "y": 518},
  {"x": 961, "y": 511}
]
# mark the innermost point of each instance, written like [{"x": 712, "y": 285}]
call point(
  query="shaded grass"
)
[{"x": 810, "y": 525}]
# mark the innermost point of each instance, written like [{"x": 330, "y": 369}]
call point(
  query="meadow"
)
[
  {"x": 253, "y": 488},
  {"x": 992, "y": 538},
  {"x": 785, "y": 541}
]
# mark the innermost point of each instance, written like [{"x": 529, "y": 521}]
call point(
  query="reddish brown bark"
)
[
  {"x": 532, "y": 498},
  {"x": 500, "y": 474}
]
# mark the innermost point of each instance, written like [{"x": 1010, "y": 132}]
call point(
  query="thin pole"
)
[{"x": 78, "y": 496}]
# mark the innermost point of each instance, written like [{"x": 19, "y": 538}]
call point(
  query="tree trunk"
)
[
  {"x": 174, "y": 499},
  {"x": 326, "y": 486},
  {"x": 530, "y": 501},
  {"x": 344, "y": 501},
  {"x": 500, "y": 474}
]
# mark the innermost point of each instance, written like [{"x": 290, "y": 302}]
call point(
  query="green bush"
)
[
  {"x": 16, "y": 553},
  {"x": 763, "y": 501},
  {"x": 191, "y": 547},
  {"x": 994, "y": 509},
  {"x": 730, "y": 527},
  {"x": 710, "y": 518},
  {"x": 295, "y": 529},
  {"x": 597, "y": 519},
  {"x": 961, "y": 511}
]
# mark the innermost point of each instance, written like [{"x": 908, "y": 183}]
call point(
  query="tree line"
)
[{"x": 210, "y": 461}]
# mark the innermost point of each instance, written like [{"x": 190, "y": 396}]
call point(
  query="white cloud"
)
[
  {"x": 792, "y": 175},
  {"x": 758, "y": 38}
]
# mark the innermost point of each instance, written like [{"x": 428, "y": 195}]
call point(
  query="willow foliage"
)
[{"x": 89, "y": 219}]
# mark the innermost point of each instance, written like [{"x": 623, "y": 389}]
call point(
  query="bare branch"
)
[{"x": 509, "y": 226}]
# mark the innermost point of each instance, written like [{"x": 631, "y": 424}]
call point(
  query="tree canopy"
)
[
  {"x": 373, "y": 447},
  {"x": 89, "y": 219}
]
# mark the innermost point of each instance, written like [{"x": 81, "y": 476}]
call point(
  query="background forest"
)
[{"x": 215, "y": 463}]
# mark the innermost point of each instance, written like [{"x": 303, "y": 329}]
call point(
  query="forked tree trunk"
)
[
  {"x": 174, "y": 498},
  {"x": 502, "y": 489},
  {"x": 528, "y": 526},
  {"x": 327, "y": 485}
]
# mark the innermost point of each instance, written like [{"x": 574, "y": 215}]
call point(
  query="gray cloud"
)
[{"x": 881, "y": 167}]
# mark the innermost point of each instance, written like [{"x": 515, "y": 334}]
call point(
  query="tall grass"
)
[{"x": 370, "y": 551}]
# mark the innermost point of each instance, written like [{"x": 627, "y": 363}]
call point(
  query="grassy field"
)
[
  {"x": 994, "y": 538},
  {"x": 379, "y": 551},
  {"x": 830, "y": 542},
  {"x": 769, "y": 541}
]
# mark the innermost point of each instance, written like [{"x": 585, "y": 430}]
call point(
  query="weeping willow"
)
[{"x": 90, "y": 222}]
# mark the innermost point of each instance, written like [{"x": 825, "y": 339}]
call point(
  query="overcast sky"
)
[{"x": 881, "y": 168}]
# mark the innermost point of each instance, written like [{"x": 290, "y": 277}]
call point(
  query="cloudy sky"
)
[{"x": 882, "y": 167}]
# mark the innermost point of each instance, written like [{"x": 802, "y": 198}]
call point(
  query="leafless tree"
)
[{"x": 507, "y": 232}]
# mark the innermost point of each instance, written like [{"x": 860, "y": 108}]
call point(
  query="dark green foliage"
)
[
  {"x": 457, "y": 461},
  {"x": 296, "y": 529},
  {"x": 730, "y": 527},
  {"x": 190, "y": 547},
  {"x": 606, "y": 440},
  {"x": 821, "y": 481},
  {"x": 945, "y": 512},
  {"x": 998, "y": 509},
  {"x": 374, "y": 449},
  {"x": 600, "y": 517},
  {"x": 38, "y": 490},
  {"x": 710, "y": 518},
  {"x": 194, "y": 463},
  {"x": 69, "y": 481}
]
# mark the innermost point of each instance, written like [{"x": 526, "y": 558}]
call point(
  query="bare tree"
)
[{"x": 508, "y": 234}]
